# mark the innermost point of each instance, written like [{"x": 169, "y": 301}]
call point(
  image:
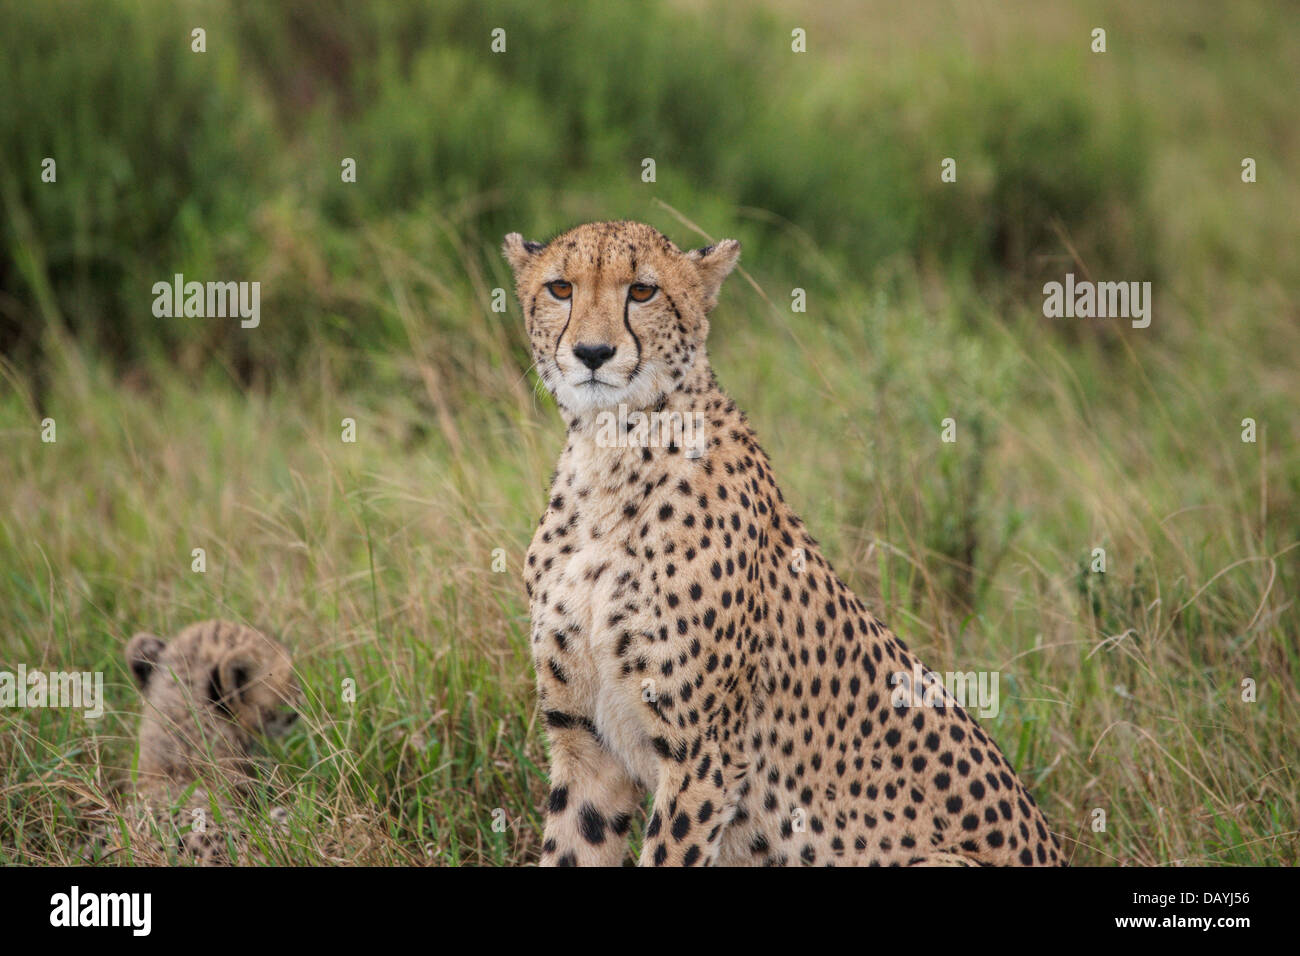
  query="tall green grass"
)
[{"x": 374, "y": 561}]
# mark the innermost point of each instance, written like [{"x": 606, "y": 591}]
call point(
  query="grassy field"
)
[{"x": 1121, "y": 691}]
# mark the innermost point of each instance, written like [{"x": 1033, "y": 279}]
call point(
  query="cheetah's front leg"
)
[
  {"x": 592, "y": 798},
  {"x": 690, "y": 805}
]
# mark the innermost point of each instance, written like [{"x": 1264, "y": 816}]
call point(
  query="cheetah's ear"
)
[
  {"x": 520, "y": 251},
  {"x": 233, "y": 674},
  {"x": 142, "y": 653},
  {"x": 715, "y": 264}
]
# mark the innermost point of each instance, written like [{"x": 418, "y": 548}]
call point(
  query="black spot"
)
[
  {"x": 681, "y": 826},
  {"x": 591, "y": 824}
]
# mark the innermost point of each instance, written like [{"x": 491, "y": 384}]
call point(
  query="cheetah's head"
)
[
  {"x": 616, "y": 314},
  {"x": 232, "y": 679}
]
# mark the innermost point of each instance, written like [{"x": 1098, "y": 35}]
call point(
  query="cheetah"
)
[
  {"x": 209, "y": 695},
  {"x": 690, "y": 640}
]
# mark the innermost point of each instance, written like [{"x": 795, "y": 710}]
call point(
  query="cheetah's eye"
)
[
  {"x": 640, "y": 292},
  {"x": 560, "y": 289}
]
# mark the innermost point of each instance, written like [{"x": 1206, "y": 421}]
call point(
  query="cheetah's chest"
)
[{"x": 585, "y": 594}]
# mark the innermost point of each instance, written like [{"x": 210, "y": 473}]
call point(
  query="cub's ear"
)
[
  {"x": 233, "y": 674},
  {"x": 142, "y": 653},
  {"x": 520, "y": 251},
  {"x": 715, "y": 264}
]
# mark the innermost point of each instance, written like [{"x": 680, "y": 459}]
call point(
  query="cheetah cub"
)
[
  {"x": 689, "y": 638},
  {"x": 209, "y": 695}
]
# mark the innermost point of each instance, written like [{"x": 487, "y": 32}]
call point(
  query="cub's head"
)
[
  {"x": 616, "y": 314},
  {"x": 229, "y": 678}
]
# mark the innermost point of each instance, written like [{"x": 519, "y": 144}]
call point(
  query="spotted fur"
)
[{"x": 690, "y": 639}]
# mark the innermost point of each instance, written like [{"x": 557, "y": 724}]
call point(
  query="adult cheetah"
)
[{"x": 688, "y": 635}]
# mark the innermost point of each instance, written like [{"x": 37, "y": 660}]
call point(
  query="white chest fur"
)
[{"x": 585, "y": 579}]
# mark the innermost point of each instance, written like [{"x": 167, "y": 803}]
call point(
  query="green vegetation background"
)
[{"x": 1120, "y": 691}]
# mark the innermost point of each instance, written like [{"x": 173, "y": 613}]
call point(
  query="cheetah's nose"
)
[{"x": 593, "y": 356}]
